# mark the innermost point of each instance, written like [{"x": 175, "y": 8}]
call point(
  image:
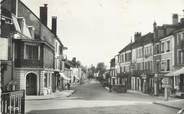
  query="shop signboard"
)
[{"x": 166, "y": 83}]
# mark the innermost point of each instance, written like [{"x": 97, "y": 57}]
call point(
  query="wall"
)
[
  {"x": 7, "y": 73},
  {"x": 20, "y": 77},
  {"x": 48, "y": 57},
  {"x": 167, "y": 55},
  {"x": 41, "y": 31}
]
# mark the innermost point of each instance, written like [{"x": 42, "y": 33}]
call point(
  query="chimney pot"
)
[
  {"x": 45, "y": 5},
  {"x": 43, "y": 14},
  {"x": 54, "y": 25},
  {"x": 175, "y": 19}
]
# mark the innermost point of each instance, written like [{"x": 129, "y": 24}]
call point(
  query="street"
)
[{"x": 92, "y": 98}]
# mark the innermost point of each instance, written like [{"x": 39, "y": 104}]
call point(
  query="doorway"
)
[{"x": 31, "y": 84}]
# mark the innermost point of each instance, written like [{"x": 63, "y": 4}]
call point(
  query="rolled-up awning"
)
[
  {"x": 64, "y": 76},
  {"x": 176, "y": 73}
]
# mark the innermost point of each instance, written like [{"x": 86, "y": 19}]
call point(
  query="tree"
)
[
  {"x": 101, "y": 68},
  {"x": 91, "y": 72}
]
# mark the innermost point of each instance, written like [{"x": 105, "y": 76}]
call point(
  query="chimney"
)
[
  {"x": 54, "y": 25},
  {"x": 137, "y": 36},
  {"x": 43, "y": 14},
  {"x": 175, "y": 19}
]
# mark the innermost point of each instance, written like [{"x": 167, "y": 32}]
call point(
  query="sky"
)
[{"x": 96, "y": 30}]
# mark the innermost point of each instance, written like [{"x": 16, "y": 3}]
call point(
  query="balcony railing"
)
[
  {"x": 13, "y": 102},
  {"x": 28, "y": 63}
]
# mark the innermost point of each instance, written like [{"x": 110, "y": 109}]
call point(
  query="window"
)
[
  {"x": 168, "y": 46},
  {"x": 178, "y": 39},
  {"x": 180, "y": 57},
  {"x": 163, "y": 66},
  {"x": 45, "y": 80},
  {"x": 56, "y": 47},
  {"x": 122, "y": 58},
  {"x": 148, "y": 65},
  {"x": 168, "y": 65},
  {"x": 113, "y": 81},
  {"x": 151, "y": 51},
  {"x": 157, "y": 66},
  {"x": 162, "y": 47},
  {"x": 31, "y": 52},
  {"x": 157, "y": 49},
  {"x": 60, "y": 50}
]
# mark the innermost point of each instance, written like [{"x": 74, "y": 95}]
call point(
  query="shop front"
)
[{"x": 177, "y": 81}]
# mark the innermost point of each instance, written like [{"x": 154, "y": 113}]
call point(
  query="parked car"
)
[{"x": 181, "y": 111}]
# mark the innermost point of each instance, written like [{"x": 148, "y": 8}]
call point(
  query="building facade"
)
[
  {"x": 32, "y": 49},
  {"x": 154, "y": 56}
]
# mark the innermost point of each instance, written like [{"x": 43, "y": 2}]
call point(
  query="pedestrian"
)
[
  {"x": 110, "y": 88},
  {"x": 68, "y": 86}
]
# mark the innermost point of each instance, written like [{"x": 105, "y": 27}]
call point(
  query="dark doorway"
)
[
  {"x": 31, "y": 84},
  {"x": 182, "y": 82}
]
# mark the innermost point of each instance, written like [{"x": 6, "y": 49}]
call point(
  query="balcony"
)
[{"x": 28, "y": 63}]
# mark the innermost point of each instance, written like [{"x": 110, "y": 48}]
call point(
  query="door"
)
[
  {"x": 182, "y": 82},
  {"x": 31, "y": 84}
]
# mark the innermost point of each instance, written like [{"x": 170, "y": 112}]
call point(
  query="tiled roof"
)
[
  {"x": 147, "y": 38},
  {"x": 126, "y": 48}
]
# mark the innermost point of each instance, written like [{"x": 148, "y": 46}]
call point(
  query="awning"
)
[
  {"x": 176, "y": 73},
  {"x": 64, "y": 76}
]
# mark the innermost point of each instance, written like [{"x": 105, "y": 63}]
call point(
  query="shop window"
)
[{"x": 113, "y": 81}]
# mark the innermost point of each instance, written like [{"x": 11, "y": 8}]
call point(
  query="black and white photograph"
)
[{"x": 92, "y": 56}]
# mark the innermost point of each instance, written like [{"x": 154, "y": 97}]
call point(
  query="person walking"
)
[{"x": 68, "y": 86}]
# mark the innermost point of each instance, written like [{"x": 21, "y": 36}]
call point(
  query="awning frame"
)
[{"x": 176, "y": 72}]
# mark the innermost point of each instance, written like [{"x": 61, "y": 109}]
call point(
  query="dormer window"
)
[
  {"x": 31, "y": 30},
  {"x": 23, "y": 27}
]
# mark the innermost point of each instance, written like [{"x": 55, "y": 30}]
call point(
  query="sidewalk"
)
[
  {"x": 63, "y": 94},
  {"x": 176, "y": 104}
]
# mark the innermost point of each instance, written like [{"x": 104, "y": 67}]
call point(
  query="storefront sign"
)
[{"x": 166, "y": 83}]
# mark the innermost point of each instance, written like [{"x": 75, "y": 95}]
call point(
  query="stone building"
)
[{"x": 33, "y": 49}]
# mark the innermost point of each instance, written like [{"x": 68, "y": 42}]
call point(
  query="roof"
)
[
  {"x": 126, "y": 48},
  {"x": 165, "y": 26},
  {"x": 147, "y": 38},
  {"x": 39, "y": 20}
]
